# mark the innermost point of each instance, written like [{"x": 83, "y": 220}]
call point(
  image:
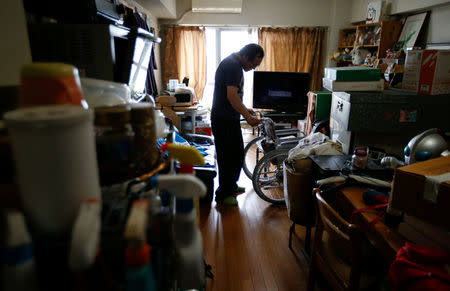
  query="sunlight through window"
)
[{"x": 220, "y": 43}]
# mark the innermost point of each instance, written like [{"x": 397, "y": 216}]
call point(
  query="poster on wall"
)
[
  {"x": 410, "y": 31},
  {"x": 374, "y": 10}
]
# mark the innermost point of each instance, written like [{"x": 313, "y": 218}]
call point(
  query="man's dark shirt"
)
[{"x": 229, "y": 73}]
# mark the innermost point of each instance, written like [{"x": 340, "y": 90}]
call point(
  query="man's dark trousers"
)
[{"x": 230, "y": 154}]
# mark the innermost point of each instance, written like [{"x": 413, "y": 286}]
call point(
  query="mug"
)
[{"x": 50, "y": 83}]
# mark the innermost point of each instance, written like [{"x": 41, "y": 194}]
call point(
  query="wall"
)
[
  {"x": 437, "y": 31},
  {"x": 328, "y": 13},
  {"x": 14, "y": 48}
]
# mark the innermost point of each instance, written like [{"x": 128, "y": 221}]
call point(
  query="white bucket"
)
[{"x": 56, "y": 163}]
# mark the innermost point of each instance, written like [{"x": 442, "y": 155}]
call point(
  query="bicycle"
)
[
  {"x": 265, "y": 142},
  {"x": 268, "y": 177}
]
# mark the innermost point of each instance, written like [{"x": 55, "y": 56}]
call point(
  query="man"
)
[{"x": 225, "y": 118}]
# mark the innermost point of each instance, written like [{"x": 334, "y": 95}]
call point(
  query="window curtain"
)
[
  {"x": 185, "y": 57},
  {"x": 296, "y": 49}
]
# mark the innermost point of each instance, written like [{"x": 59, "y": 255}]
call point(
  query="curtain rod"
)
[{"x": 241, "y": 25}]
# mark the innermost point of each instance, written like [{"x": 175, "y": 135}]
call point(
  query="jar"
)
[
  {"x": 145, "y": 153},
  {"x": 114, "y": 135},
  {"x": 359, "y": 158}
]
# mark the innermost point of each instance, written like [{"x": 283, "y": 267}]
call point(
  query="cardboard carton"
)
[
  {"x": 435, "y": 72},
  {"x": 411, "y": 73},
  {"x": 427, "y": 72},
  {"x": 423, "y": 190}
]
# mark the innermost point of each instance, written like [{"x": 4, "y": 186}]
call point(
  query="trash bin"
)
[{"x": 298, "y": 186}]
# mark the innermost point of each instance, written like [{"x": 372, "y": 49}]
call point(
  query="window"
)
[{"x": 220, "y": 43}]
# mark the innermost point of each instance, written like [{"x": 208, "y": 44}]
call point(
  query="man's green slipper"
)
[{"x": 230, "y": 201}]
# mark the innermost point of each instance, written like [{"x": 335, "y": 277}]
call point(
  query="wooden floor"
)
[{"x": 247, "y": 245}]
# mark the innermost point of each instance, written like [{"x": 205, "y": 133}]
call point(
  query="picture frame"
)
[
  {"x": 374, "y": 11},
  {"x": 410, "y": 31}
]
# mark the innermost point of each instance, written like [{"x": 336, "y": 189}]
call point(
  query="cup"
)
[
  {"x": 50, "y": 83},
  {"x": 56, "y": 163}
]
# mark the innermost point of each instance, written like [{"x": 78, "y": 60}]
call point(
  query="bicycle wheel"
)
[
  {"x": 268, "y": 177},
  {"x": 252, "y": 154}
]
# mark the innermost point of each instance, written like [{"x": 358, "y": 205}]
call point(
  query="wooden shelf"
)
[{"x": 384, "y": 33}]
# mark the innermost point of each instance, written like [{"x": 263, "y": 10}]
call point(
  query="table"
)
[{"x": 385, "y": 239}]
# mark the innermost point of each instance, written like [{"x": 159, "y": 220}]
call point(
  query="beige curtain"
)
[
  {"x": 297, "y": 49},
  {"x": 185, "y": 56}
]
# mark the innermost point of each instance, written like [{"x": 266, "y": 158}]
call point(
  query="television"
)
[{"x": 281, "y": 91}]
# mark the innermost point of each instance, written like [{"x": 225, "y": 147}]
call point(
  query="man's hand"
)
[
  {"x": 251, "y": 111},
  {"x": 252, "y": 120}
]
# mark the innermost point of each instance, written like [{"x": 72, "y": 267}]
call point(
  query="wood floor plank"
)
[{"x": 247, "y": 245}]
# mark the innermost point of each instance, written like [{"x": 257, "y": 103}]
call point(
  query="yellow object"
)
[
  {"x": 48, "y": 70},
  {"x": 185, "y": 154}
]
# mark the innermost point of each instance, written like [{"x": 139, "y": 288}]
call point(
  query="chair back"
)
[
  {"x": 345, "y": 239},
  {"x": 339, "y": 230}
]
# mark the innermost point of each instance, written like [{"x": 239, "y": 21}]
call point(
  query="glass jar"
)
[
  {"x": 114, "y": 135},
  {"x": 360, "y": 156},
  {"x": 145, "y": 153}
]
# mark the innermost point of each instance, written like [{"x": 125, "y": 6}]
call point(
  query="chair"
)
[{"x": 340, "y": 252}]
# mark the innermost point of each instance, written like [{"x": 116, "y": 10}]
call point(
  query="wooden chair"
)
[{"x": 339, "y": 250}]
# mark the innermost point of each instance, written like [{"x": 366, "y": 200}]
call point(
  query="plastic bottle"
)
[
  {"x": 139, "y": 271},
  {"x": 189, "y": 264},
  {"x": 190, "y": 268},
  {"x": 85, "y": 236},
  {"x": 19, "y": 271}
]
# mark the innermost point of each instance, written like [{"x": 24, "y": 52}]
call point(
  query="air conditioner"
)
[{"x": 217, "y": 6}]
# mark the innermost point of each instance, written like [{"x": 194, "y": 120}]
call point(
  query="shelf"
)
[{"x": 384, "y": 33}]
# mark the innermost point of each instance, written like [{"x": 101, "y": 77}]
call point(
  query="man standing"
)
[{"x": 225, "y": 118}]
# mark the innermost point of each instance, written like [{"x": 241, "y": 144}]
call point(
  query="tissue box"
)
[{"x": 423, "y": 190}]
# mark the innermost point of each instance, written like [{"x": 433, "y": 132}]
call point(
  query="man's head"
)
[{"x": 251, "y": 56}]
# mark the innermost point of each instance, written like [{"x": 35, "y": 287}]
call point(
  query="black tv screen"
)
[{"x": 281, "y": 91}]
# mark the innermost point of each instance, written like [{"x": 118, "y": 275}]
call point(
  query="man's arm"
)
[{"x": 237, "y": 104}]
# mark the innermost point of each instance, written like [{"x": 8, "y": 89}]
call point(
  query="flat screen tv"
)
[{"x": 281, "y": 91}]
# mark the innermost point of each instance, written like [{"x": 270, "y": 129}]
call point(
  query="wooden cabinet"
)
[{"x": 375, "y": 37}]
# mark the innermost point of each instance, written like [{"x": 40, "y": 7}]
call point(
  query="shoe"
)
[
  {"x": 239, "y": 190},
  {"x": 229, "y": 201}
]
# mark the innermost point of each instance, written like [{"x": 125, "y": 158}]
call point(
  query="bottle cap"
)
[
  {"x": 138, "y": 257},
  {"x": 186, "y": 169}
]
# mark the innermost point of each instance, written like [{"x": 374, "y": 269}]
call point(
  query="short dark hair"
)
[{"x": 251, "y": 51}]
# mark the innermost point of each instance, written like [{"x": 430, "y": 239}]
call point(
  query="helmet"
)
[{"x": 426, "y": 145}]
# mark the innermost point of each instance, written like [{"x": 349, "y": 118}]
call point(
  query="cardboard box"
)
[
  {"x": 427, "y": 72},
  {"x": 411, "y": 73},
  {"x": 353, "y": 73},
  {"x": 353, "y": 86},
  {"x": 423, "y": 190},
  {"x": 435, "y": 72}
]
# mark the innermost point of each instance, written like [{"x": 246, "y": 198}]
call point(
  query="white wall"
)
[
  {"x": 14, "y": 48},
  {"x": 437, "y": 32},
  {"x": 269, "y": 12},
  {"x": 329, "y": 13}
]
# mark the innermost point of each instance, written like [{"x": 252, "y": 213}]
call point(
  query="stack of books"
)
[{"x": 358, "y": 78}]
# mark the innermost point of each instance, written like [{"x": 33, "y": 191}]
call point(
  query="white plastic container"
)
[
  {"x": 56, "y": 163},
  {"x": 105, "y": 93},
  {"x": 19, "y": 268}
]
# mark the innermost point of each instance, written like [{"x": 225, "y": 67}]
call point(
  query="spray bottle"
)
[
  {"x": 139, "y": 271},
  {"x": 19, "y": 270},
  {"x": 190, "y": 271}
]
